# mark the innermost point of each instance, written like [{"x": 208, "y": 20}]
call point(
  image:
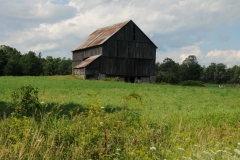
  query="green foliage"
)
[
  {"x": 31, "y": 64},
  {"x": 147, "y": 121},
  {"x": 25, "y": 102},
  {"x": 220, "y": 74},
  {"x": 167, "y": 72},
  {"x": 192, "y": 83},
  {"x": 190, "y": 69},
  {"x": 13, "y": 63}
]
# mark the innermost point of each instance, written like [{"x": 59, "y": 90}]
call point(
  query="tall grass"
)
[{"x": 114, "y": 120}]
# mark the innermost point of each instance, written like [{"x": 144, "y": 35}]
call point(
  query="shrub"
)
[
  {"x": 191, "y": 83},
  {"x": 25, "y": 102}
]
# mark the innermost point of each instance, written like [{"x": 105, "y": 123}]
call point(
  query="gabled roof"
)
[
  {"x": 99, "y": 36},
  {"x": 87, "y": 61}
]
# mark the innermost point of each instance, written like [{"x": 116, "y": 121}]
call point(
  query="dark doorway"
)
[{"x": 132, "y": 79}]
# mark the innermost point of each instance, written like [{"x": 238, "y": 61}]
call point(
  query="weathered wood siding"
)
[
  {"x": 129, "y": 52},
  {"x": 79, "y": 56},
  {"x": 127, "y": 66}
]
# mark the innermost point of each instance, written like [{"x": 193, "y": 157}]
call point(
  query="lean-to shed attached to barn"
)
[{"x": 120, "y": 50}]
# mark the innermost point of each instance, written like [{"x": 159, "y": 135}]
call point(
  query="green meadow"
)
[{"x": 89, "y": 119}]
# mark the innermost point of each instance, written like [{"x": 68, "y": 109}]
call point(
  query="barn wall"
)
[
  {"x": 130, "y": 67},
  {"x": 79, "y": 56},
  {"x": 129, "y": 52}
]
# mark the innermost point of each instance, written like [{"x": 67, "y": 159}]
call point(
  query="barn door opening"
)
[
  {"x": 129, "y": 79},
  {"x": 132, "y": 79}
]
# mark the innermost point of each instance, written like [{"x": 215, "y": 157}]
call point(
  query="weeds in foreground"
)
[{"x": 122, "y": 134}]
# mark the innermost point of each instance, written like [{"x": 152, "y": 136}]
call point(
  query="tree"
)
[
  {"x": 168, "y": 71},
  {"x": 65, "y": 67},
  {"x": 208, "y": 73},
  {"x": 236, "y": 77},
  {"x": 3, "y": 60},
  {"x": 49, "y": 67},
  {"x": 31, "y": 64},
  {"x": 220, "y": 73},
  {"x": 12, "y": 66},
  {"x": 190, "y": 69}
]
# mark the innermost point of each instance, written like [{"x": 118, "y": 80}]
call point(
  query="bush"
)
[
  {"x": 25, "y": 102},
  {"x": 192, "y": 83}
]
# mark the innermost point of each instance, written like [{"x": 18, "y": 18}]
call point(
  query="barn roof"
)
[
  {"x": 99, "y": 36},
  {"x": 87, "y": 61}
]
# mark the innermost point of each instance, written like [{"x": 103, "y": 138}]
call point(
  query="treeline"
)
[
  {"x": 218, "y": 73},
  {"x": 13, "y": 63}
]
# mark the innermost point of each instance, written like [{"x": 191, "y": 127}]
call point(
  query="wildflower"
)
[
  {"x": 118, "y": 149},
  {"x": 101, "y": 123},
  {"x": 208, "y": 154},
  {"x": 181, "y": 149},
  {"x": 187, "y": 158},
  {"x": 152, "y": 148},
  {"x": 237, "y": 151},
  {"x": 42, "y": 102},
  {"x": 238, "y": 143},
  {"x": 227, "y": 148},
  {"x": 218, "y": 151},
  {"x": 102, "y": 107}
]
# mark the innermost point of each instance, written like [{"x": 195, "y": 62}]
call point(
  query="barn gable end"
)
[{"x": 126, "y": 52}]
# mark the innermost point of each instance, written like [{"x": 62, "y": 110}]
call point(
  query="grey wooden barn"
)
[{"x": 120, "y": 50}]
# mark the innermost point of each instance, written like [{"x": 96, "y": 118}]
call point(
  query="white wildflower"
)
[
  {"x": 101, "y": 123},
  {"x": 42, "y": 102},
  {"x": 181, "y": 149},
  {"x": 153, "y": 148},
  {"x": 237, "y": 151},
  {"x": 238, "y": 143},
  {"x": 102, "y": 107},
  {"x": 227, "y": 148},
  {"x": 186, "y": 157},
  {"x": 208, "y": 154},
  {"x": 218, "y": 151}
]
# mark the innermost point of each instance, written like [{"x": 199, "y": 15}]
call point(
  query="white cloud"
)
[
  {"x": 228, "y": 57},
  {"x": 180, "y": 55},
  {"x": 56, "y": 29}
]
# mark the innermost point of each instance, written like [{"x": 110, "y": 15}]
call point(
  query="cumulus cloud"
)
[
  {"x": 228, "y": 57},
  {"x": 56, "y": 29},
  {"x": 180, "y": 55}
]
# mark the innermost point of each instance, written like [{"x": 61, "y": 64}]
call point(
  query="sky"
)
[{"x": 209, "y": 29}]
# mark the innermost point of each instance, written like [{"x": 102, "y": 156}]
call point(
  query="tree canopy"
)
[{"x": 13, "y": 63}]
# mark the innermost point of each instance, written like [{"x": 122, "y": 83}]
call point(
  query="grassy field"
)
[{"x": 175, "y": 122}]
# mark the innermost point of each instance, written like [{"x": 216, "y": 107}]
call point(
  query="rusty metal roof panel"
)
[
  {"x": 99, "y": 36},
  {"x": 87, "y": 61}
]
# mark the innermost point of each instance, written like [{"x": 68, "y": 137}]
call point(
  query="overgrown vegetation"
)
[
  {"x": 192, "y": 83},
  {"x": 13, "y": 63},
  {"x": 136, "y": 122},
  {"x": 25, "y": 102}
]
